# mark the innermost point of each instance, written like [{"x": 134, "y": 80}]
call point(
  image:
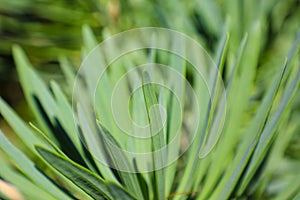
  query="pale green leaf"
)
[
  {"x": 157, "y": 139},
  {"x": 89, "y": 182},
  {"x": 27, "y": 167}
]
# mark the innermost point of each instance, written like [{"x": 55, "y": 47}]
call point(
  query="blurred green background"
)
[{"x": 47, "y": 29}]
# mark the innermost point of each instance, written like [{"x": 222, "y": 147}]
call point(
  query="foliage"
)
[{"x": 260, "y": 86}]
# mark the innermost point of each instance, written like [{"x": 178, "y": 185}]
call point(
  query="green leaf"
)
[
  {"x": 228, "y": 140},
  {"x": 239, "y": 91},
  {"x": 119, "y": 193},
  {"x": 275, "y": 156},
  {"x": 65, "y": 117},
  {"x": 157, "y": 139},
  {"x": 88, "y": 181},
  {"x": 174, "y": 115},
  {"x": 95, "y": 89},
  {"x": 248, "y": 145},
  {"x": 24, "y": 185},
  {"x": 205, "y": 138},
  {"x": 89, "y": 38},
  {"x": 73, "y": 188},
  {"x": 210, "y": 14},
  {"x": 28, "y": 169},
  {"x": 122, "y": 163},
  {"x": 269, "y": 131},
  {"x": 19, "y": 126},
  {"x": 93, "y": 143},
  {"x": 297, "y": 197},
  {"x": 67, "y": 70},
  {"x": 289, "y": 191},
  {"x": 35, "y": 89}
]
